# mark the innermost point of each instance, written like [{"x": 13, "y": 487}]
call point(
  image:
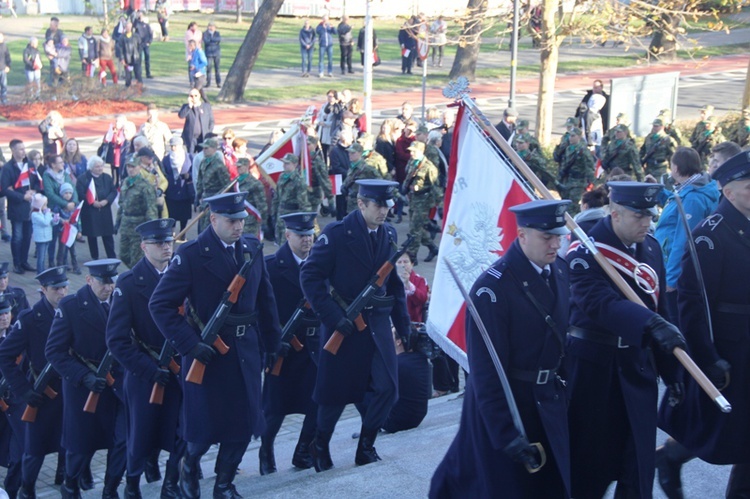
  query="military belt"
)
[
  {"x": 733, "y": 308},
  {"x": 597, "y": 337},
  {"x": 237, "y": 321},
  {"x": 540, "y": 377},
  {"x": 375, "y": 301}
]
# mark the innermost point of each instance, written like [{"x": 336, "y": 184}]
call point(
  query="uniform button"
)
[{"x": 205, "y": 249}]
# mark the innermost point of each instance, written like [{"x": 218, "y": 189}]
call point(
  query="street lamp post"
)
[
  {"x": 367, "y": 73},
  {"x": 513, "y": 56}
]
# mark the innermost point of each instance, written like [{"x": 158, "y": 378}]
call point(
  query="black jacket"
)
[{"x": 128, "y": 49}]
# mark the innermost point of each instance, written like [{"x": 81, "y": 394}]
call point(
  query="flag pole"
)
[{"x": 459, "y": 90}]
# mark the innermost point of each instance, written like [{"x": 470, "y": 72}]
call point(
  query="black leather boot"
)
[
  {"x": 669, "y": 460},
  {"x": 224, "y": 488},
  {"x": 302, "y": 458},
  {"x": 433, "y": 252},
  {"x": 60, "y": 472},
  {"x": 152, "y": 472},
  {"x": 625, "y": 492},
  {"x": 70, "y": 490},
  {"x": 266, "y": 457},
  {"x": 320, "y": 452},
  {"x": 110, "y": 487},
  {"x": 26, "y": 492},
  {"x": 133, "y": 487},
  {"x": 366, "y": 453},
  {"x": 190, "y": 487},
  {"x": 86, "y": 480},
  {"x": 170, "y": 488}
]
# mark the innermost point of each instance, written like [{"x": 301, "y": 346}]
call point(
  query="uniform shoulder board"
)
[
  {"x": 493, "y": 272},
  {"x": 713, "y": 221}
]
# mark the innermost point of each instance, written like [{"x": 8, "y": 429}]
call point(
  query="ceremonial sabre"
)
[
  {"x": 515, "y": 415},
  {"x": 459, "y": 91}
]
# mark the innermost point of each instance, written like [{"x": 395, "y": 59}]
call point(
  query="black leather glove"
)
[
  {"x": 283, "y": 350},
  {"x": 94, "y": 383},
  {"x": 345, "y": 327},
  {"x": 664, "y": 333},
  {"x": 522, "y": 452},
  {"x": 33, "y": 398},
  {"x": 161, "y": 376},
  {"x": 676, "y": 394},
  {"x": 718, "y": 373},
  {"x": 202, "y": 353}
]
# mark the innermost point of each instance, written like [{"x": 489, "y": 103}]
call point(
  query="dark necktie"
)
[
  {"x": 374, "y": 239},
  {"x": 105, "y": 306},
  {"x": 545, "y": 275},
  {"x": 230, "y": 249}
]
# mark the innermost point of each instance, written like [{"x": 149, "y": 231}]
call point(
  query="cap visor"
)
[
  {"x": 559, "y": 231},
  {"x": 309, "y": 232},
  {"x": 59, "y": 284},
  {"x": 234, "y": 216}
]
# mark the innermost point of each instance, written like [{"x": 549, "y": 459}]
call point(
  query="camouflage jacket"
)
[
  {"x": 657, "y": 149},
  {"x": 577, "y": 166},
  {"x": 421, "y": 176},
  {"x": 377, "y": 161},
  {"x": 137, "y": 199},
  {"x": 622, "y": 154},
  {"x": 213, "y": 176},
  {"x": 320, "y": 178},
  {"x": 291, "y": 194}
]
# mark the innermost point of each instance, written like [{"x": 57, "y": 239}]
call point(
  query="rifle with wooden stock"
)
[
  {"x": 210, "y": 334},
  {"x": 165, "y": 361},
  {"x": 288, "y": 334},
  {"x": 41, "y": 386},
  {"x": 101, "y": 372},
  {"x": 353, "y": 311}
]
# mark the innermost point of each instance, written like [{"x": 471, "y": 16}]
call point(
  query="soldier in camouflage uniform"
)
[
  {"x": 256, "y": 196},
  {"x": 137, "y": 205},
  {"x": 622, "y": 119},
  {"x": 522, "y": 128},
  {"x": 559, "y": 152},
  {"x": 535, "y": 160},
  {"x": 372, "y": 157},
  {"x": 656, "y": 151},
  {"x": 665, "y": 115},
  {"x": 741, "y": 133},
  {"x": 213, "y": 176},
  {"x": 421, "y": 179},
  {"x": 320, "y": 181},
  {"x": 700, "y": 127},
  {"x": 291, "y": 193},
  {"x": 621, "y": 152},
  {"x": 576, "y": 170},
  {"x": 360, "y": 169},
  {"x": 710, "y": 136},
  {"x": 155, "y": 176}
]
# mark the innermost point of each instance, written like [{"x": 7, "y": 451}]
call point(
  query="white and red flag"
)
[
  {"x": 70, "y": 227},
  {"x": 478, "y": 227},
  {"x": 23, "y": 177},
  {"x": 295, "y": 143},
  {"x": 336, "y": 183},
  {"x": 91, "y": 192}
]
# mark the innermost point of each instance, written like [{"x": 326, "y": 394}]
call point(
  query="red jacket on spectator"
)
[
  {"x": 416, "y": 296},
  {"x": 402, "y": 156}
]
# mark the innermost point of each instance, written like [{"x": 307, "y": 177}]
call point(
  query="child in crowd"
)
[
  {"x": 42, "y": 221},
  {"x": 68, "y": 194},
  {"x": 36, "y": 161}
]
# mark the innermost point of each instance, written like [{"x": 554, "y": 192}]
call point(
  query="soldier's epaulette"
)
[
  {"x": 713, "y": 221},
  {"x": 497, "y": 271}
]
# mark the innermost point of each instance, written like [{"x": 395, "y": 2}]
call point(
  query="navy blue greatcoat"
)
[
  {"x": 28, "y": 336},
  {"x": 476, "y": 464},
  {"x": 227, "y": 406},
  {"x": 150, "y": 426},
  {"x": 343, "y": 258},
  {"x": 602, "y": 377},
  {"x": 723, "y": 246},
  {"x": 291, "y": 391},
  {"x": 80, "y": 324}
]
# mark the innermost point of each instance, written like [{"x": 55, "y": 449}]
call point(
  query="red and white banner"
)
[
  {"x": 91, "y": 192},
  {"x": 297, "y": 145},
  {"x": 478, "y": 228},
  {"x": 23, "y": 177},
  {"x": 70, "y": 228},
  {"x": 336, "y": 183}
]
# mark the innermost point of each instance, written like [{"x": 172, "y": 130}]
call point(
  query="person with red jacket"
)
[{"x": 417, "y": 289}]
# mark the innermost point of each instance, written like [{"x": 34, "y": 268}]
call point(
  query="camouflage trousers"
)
[
  {"x": 656, "y": 170},
  {"x": 573, "y": 191},
  {"x": 419, "y": 217},
  {"x": 130, "y": 241}
]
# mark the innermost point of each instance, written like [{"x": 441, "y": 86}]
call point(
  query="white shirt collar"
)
[{"x": 538, "y": 268}]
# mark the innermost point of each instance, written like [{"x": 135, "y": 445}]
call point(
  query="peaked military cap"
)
[
  {"x": 104, "y": 269},
  {"x": 158, "y": 230},
  {"x": 4, "y": 269},
  {"x": 571, "y": 122},
  {"x": 416, "y": 146},
  {"x": 380, "y": 191},
  {"x": 303, "y": 223},
  {"x": 657, "y": 122},
  {"x": 54, "y": 277},
  {"x": 6, "y": 303},
  {"x": 735, "y": 168},
  {"x": 546, "y": 215},
  {"x": 211, "y": 142},
  {"x": 636, "y": 196},
  {"x": 356, "y": 147},
  {"x": 230, "y": 205},
  {"x": 290, "y": 158}
]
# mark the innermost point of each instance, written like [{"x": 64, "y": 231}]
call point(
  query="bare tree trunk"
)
[
  {"x": 239, "y": 6},
  {"x": 548, "y": 71},
  {"x": 465, "y": 62},
  {"x": 234, "y": 86},
  {"x": 746, "y": 95}
]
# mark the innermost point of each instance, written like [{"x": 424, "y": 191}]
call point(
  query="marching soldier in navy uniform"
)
[
  {"x": 136, "y": 343},
  {"x": 722, "y": 242},
  {"x": 345, "y": 258},
  {"x": 617, "y": 348},
  {"x": 11, "y": 429},
  {"x": 291, "y": 391},
  {"x": 28, "y": 337},
  {"x": 18, "y": 298},
  {"x": 75, "y": 347},
  {"x": 226, "y": 407},
  {"x": 513, "y": 297}
]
